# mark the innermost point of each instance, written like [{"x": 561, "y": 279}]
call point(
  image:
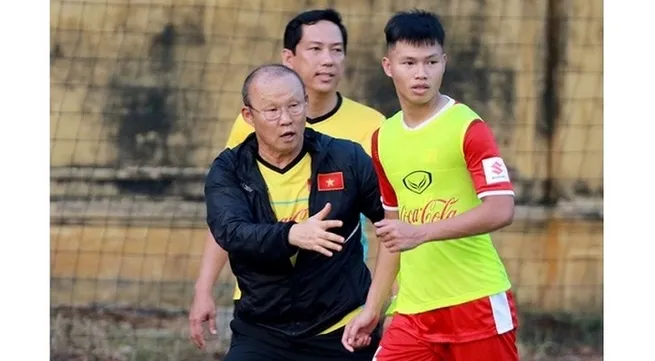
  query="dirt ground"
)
[{"x": 96, "y": 334}]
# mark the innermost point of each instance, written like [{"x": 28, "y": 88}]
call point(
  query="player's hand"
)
[
  {"x": 312, "y": 234},
  {"x": 203, "y": 309},
  {"x": 397, "y": 235},
  {"x": 358, "y": 331}
]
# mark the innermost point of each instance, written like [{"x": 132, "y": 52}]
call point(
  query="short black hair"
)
[
  {"x": 293, "y": 31},
  {"x": 416, "y": 27},
  {"x": 267, "y": 69}
]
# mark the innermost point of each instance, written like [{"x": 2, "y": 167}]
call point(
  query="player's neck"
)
[
  {"x": 277, "y": 159},
  {"x": 414, "y": 115},
  {"x": 320, "y": 104}
]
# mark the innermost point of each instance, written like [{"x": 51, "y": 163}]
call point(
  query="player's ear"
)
[
  {"x": 445, "y": 61},
  {"x": 386, "y": 66},
  {"x": 246, "y": 113},
  {"x": 287, "y": 58}
]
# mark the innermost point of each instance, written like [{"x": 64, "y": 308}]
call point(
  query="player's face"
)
[
  {"x": 319, "y": 57},
  {"x": 277, "y": 112},
  {"x": 416, "y": 71}
]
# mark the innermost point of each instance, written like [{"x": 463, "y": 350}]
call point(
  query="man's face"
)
[
  {"x": 319, "y": 57},
  {"x": 416, "y": 71},
  {"x": 277, "y": 111}
]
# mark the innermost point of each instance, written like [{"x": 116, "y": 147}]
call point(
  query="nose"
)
[
  {"x": 285, "y": 118},
  {"x": 327, "y": 58},
  {"x": 420, "y": 72}
]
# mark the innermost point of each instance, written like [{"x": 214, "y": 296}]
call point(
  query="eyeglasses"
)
[{"x": 271, "y": 114}]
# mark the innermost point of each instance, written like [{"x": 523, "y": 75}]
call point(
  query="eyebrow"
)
[
  {"x": 321, "y": 43},
  {"x": 427, "y": 57},
  {"x": 268, "y": 103}
]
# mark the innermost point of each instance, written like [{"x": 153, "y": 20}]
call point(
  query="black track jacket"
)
[{"x": 304, "y": 299}]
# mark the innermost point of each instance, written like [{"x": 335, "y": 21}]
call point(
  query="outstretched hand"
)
[{"x": 312, "y": 234}]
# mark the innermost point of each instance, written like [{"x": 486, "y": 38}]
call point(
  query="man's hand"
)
[
  {"x": 398, "y": 236},
  {"x": 357, "y": 332},
  {"x": 312, "y": 234},
  {"x": 203, "y": 309}
]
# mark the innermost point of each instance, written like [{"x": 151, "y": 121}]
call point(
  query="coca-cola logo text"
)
[
  {"x": 299, "y": 215},
  {"x": 434, "y": 210}
]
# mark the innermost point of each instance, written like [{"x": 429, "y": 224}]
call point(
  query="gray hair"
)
[{"x": 276, "y": 70}]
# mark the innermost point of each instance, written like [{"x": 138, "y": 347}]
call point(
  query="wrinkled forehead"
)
[{"x": 275, "y": 89}]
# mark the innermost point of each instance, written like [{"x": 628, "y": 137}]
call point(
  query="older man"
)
[{"x": 302, "y": 277}]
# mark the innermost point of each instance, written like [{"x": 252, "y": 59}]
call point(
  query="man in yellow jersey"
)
[
  {"x": 315, "y": 44},
  {"x": 285, "y": 204},
  {"x": 444, "y": 187}
]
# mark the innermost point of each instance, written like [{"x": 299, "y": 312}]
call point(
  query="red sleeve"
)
[
  {"x": 389, "y": 200},
  {"x": 487, "y": 168}
]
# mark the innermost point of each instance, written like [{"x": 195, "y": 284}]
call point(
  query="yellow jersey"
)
[{"x": 435, "y": 171}]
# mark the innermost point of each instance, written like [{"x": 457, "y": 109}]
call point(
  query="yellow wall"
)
[
  {"x": 497, "y": 64},
  {"x": 554, "y": 266}
]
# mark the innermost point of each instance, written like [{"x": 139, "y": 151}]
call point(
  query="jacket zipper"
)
[
  {"x": 312, "y": 210},
  {"x": 262, "y": 192}
]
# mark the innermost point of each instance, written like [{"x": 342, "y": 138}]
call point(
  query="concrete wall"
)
[{"x": 154, "y": 84}]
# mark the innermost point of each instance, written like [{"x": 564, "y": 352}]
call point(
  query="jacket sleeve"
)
[
  {"x": 370, "y": 203},
  {"x": 231, "y": 221}
]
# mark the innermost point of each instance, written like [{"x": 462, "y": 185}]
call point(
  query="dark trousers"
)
[{"x": 252, "y": 343}]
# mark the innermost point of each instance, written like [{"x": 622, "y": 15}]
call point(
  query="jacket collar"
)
[{"x": 315, "y": 143}]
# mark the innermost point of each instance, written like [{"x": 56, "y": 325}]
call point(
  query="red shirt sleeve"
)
[
  {"x": 488, "y": 171},
  {"x": 389, "y": 200}
]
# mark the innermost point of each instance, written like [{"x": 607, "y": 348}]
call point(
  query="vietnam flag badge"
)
[{"x": 330, "y": 182}]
